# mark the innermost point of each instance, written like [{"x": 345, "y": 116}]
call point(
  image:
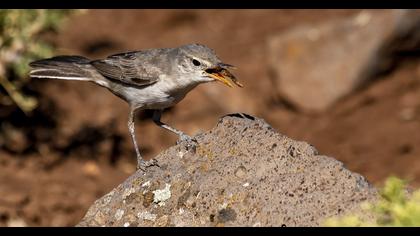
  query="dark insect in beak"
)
[
  {"x": 223, "y": 75},
  {"x": 226, "y": 66}
]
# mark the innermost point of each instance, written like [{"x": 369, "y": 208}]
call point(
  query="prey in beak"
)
[{"x": 221, "y": 74}]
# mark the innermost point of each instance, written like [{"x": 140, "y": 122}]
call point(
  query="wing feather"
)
[{"x": 128, "y": 68}]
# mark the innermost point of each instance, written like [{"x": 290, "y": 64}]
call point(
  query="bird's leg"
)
[
  {"x": 141, "y": 163},
  {"x": 182, "y": 136}
]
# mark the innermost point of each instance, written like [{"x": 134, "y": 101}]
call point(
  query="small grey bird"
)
[{"x": 147, "y": 79}]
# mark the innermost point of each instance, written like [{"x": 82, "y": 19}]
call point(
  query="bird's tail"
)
[{"x": 62, "y": 67}]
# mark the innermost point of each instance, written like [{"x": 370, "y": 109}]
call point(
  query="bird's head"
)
[{"x": 201, "y": 64}]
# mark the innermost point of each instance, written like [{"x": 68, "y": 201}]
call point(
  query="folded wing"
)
[{"x": 127, "y": 68}]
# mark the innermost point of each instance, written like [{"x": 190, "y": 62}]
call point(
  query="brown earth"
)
[{"x": 76, "y": 147}]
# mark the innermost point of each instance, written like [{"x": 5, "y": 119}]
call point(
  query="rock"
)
[
  {"x": 16, "y": 223},
  {"x": 242, "y": 173},
  {"x": 91, "y": 169},
  {"x": 316, "y": 65},
  {"x": 13, "y": 139}
]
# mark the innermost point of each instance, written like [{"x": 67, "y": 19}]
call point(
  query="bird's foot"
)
[
  {"x": 142, "y": 164},
  {"x": 190, "y": 143}
]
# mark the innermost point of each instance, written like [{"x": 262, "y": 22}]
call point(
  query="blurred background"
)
[{"x": 345, "y": 81}]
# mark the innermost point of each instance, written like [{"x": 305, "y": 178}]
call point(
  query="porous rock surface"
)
[{"x": 242, "y": 173}]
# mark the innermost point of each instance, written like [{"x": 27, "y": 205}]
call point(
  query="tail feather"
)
[{"x": 62, "y": 67}]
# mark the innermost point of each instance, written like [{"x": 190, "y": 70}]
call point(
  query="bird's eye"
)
[{"x": 195, "y": 62}]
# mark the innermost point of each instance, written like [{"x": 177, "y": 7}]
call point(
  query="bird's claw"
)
[
  {"x": 143, "y": 165},
  {"x": 190, "y": 143}
]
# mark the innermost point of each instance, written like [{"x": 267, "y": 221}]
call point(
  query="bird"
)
[{"x": 152, "y": 79}]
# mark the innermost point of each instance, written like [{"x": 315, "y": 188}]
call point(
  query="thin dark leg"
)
[
  {"x": 141, "y": 163},
  {"x": 182, "y": 136}
]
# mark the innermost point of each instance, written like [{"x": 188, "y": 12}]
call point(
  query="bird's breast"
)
[{"x": 160, "y": 95}]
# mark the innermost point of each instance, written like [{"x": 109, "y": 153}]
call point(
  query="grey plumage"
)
[
  {"x": 60, "y": 66},
  {"x": 146, "y": 79}
]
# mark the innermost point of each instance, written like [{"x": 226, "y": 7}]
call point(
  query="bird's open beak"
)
[{"x": 221, "y": 74}]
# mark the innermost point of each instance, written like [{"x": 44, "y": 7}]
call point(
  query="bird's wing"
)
[{"x": 127, "y": 68}]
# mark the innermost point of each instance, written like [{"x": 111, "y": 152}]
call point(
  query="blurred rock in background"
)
[{"x": 317, "y": 64}]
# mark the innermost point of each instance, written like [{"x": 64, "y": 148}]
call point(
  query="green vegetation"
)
[
  {"x": 20, "y": 43},
  {"x": 394, "y": 208}
]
